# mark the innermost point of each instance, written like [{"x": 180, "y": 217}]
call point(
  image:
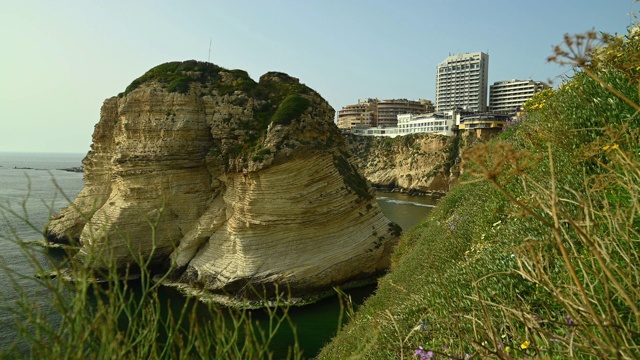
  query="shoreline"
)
[
  {"x": 435, "y": 195},
  {"x": 233, "y": 302},
  {"x": 204, "y": 296}
]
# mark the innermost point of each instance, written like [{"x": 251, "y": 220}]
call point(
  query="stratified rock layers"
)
[
  {"x": 422, "y": 163},
  {"x": 235, "y": 183},
  {"x": 292, "y": 223}
]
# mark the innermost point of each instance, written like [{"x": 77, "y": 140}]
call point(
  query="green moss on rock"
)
[
  {"x": 290, "y": 108},
  {"x": 352, "y": 178},
  {"x": 179, "y": 75}
]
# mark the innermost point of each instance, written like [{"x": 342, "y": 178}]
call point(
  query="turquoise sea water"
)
[{"x": 31, "y": 187}]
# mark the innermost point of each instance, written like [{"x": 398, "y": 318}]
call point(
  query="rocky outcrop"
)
[
  {"x": 418, "y": 163},
  {"x": 421, "y": 164},
  {"x": 234, "y": 185}
]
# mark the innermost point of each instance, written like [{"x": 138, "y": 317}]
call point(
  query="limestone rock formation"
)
[
  {"x": 419, "y": 163},
  {"x": 237, "y": 184}
]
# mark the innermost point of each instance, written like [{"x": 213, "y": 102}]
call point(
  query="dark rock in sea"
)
[{"x": 77, "y": 169}]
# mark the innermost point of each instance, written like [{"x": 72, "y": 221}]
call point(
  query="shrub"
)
[
  {"x": 290, "y": 108},
  {"x": 178, "y": 76},
  {"x": 180, "y": 84}
]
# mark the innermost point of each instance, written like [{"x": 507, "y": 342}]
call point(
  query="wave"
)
[{"x": 403, "y": 202}]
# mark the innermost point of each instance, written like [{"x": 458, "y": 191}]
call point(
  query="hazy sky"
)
[{"x": 61, "y": 59}]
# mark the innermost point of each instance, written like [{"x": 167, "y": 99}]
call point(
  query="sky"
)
[{"x": 61, "y": 59}]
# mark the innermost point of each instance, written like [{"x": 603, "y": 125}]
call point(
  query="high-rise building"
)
[
  {"x": 507, "y": 96},
  {"x": 374, "y": 112},
  {"x": 462, "y": 82}
]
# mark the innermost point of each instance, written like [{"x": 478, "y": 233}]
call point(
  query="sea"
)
[{"x": 35, "y": 186}]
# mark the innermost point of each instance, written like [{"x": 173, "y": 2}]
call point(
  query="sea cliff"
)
[
  {"x": 233, "y": 185},
  {"x": 420, "y": 164}
]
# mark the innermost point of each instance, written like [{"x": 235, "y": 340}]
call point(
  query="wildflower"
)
[
  {"x": 424, "y": 355},
  {"x": 525, "y": 344},
  {"x": 610, "y": 147},
  {"x": 568, "y": 320},
  {"x": 512, "y": 256}
]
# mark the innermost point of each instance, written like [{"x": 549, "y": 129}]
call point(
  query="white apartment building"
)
[
  {"x": 376, "y": 131},
  {"x": 507, "y": 96},
  {"x": 462, "y": 82},
  {"x": 436, "y": 123}
]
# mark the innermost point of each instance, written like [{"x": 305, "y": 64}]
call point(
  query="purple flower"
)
[
  {"x": 568, "y": 320},
  {"x": 424, "y": 355}
]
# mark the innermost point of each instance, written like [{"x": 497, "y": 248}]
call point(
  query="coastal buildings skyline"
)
[{"x": 461, "y": 88}]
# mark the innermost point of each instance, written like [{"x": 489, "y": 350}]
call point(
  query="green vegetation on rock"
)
[
  {"x": 290, "y": 108},
  {"x": 179, "y": 75},
  {"x": 279, "y": 98},
  {"x": 352, "y": 178}
]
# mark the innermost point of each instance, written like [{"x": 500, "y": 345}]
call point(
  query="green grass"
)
[{"x": 290, "y": 108}]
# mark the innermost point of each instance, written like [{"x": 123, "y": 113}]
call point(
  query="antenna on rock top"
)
[{"x": 209, "y": 58}]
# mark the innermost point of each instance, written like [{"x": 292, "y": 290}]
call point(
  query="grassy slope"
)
[
  {"x": 437, "y": 265},
  {"x": 454, "y": 288}
]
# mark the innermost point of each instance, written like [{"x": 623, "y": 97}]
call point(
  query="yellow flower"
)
[
  {"x": 525, "y": 345},
  {"x": 610, "y": 147}
]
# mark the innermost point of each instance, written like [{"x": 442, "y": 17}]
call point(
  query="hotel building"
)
[
  {"x": 462, "y": 82},
  {"x": 507, "y": 96}
]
